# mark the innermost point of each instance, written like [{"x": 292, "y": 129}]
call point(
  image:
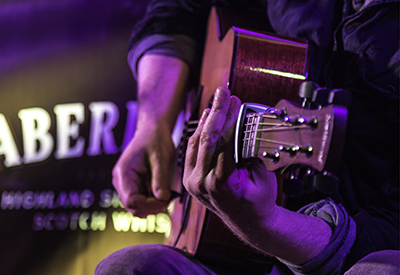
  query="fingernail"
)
[
  {"x": 221, "y": 92},
  {"x": 235, "y": 101},
  {"x": 204, "y": 116}
]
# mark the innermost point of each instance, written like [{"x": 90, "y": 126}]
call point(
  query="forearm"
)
[
  {"x": 317, "y": 240},
  {"x": 294, "y": 237},
  {"x": 145, "y": 160},
  {"x": 330, "y": 260},
  {"x": 162, "y": 83}
]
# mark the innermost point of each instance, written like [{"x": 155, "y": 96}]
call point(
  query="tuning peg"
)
[
  {"x": 325, "y": 182},
  {"x": 273, "y": 156},
  {"x": 281, "y": 113},
  {"x": 292, "y": 187},
  {"x": 306, "y": 92}
]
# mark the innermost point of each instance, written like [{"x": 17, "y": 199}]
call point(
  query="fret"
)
[{"x": 251, "y": 135}]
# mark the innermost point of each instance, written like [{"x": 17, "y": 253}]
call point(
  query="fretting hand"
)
[
  {"x": 241, "y": 196},
  {"x": 244, "y": 195}
]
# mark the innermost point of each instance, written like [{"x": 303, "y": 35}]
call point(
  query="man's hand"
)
[
  {"x": 241, "y": 195},
  {"x": 141, "y": 175}
]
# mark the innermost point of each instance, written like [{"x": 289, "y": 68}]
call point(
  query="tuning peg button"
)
[
  {"x": 274, "y": 156},
  {"x": 313, "y": 122},
  {"x": 308, "y": 150}
]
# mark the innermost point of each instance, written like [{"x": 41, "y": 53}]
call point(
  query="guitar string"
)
[
  {"x": 284, "y": 128},
  {"x": 276, "y": 127},
  {"x": 249, "y": 142}
]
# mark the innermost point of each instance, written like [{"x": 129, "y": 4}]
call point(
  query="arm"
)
[
  {"x": 141, "y": 174},
  {"x": 244, "y": 198},
  {"x": 166, "y": 49}
]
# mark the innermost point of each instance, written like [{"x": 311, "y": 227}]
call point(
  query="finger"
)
[
  {"x": 225, "y": 164},
  {"x": 193, "y": 143},
  {"x": 227, "y": 135},
  {"x": 160, "y": 162},
  {"x": 160, "y": 183},
  {"x": 141, "y": 206},
  {"x": 212, "y": 129},
  {"x": 191, "y": 181},
  {"x": 132, "y": 197},
  {"x": 125, "y": 178}
]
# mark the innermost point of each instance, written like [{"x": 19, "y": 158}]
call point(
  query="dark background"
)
[{"x": 52, "y": 53}]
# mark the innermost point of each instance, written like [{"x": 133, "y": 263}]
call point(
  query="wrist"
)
[
  {"x": 152, "y": 123},
  {"x": 162, "y": 86}
]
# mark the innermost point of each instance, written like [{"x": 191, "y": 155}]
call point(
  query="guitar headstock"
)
[{"x": 288, "y": 137}]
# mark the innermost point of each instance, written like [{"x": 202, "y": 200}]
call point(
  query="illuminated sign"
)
[
  {"x": 38, "y": 143},
  {"x": 122, "y": 221}
]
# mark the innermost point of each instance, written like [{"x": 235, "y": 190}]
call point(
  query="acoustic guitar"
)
[{"x": 263, "y": 68}]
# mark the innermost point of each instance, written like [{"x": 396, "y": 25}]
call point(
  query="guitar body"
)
[{"x": 256, "y": 67}]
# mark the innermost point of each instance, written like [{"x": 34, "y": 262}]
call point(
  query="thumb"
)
[{"x": 160, "y": 182}]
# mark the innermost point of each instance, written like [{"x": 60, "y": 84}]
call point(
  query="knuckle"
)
[
  {"x": 133, "y": 207},
  {"x": 115, "y": 174},
  {"x": 192, "y": 141},
  {"x": 210, "y": 137},
  {"x": 138, "y": 213},
  {"x": 193, "y": 186},
  {"x": 218, "y": 107},
  {"x": 231, "y": 116}
]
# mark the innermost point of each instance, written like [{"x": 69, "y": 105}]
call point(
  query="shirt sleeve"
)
[
  {"x": 331, "y": 259},
  {"x": 180, "y": 46},
  {"x": 161, "y": 31}
]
